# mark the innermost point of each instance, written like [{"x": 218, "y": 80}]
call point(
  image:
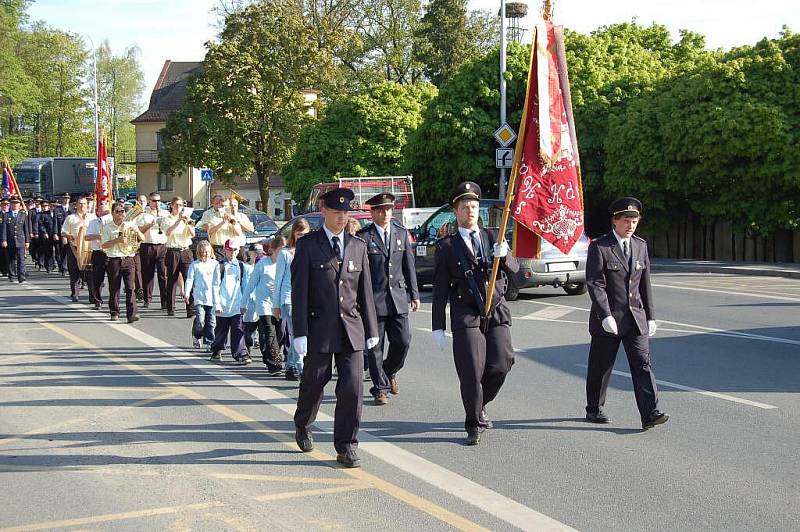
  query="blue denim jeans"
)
[
  {"x": 294, "y": 360},
  {"x": 204, "y": 323}
]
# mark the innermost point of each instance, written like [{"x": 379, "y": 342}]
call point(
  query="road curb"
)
[{"x": 766, "y": 271}]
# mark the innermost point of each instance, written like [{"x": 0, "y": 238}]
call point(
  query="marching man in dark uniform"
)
[
  {"x": 61, "y": 211},
  {"x": 47, "y": 230},
  {"x": 618, "y": 278},
  {"x": 15, "y": 236},
  {"x": 394, "y": 286},
  {"x": 5, "y": 206},
  {"x": 333, "y": 317},
  {"x": 481, "y": 347}
]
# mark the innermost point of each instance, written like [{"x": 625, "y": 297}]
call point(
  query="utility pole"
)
[{"x": 502, "y": 185}]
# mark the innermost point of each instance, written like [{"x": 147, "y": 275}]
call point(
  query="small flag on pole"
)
[{"x": 10, "y": 187}]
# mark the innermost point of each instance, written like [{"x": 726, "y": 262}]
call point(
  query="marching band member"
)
[
  {"x": 99, "y": 258},
  {"x": 239, "y": 220},
  {"x": 15, "y": 236},
  {"x": 333, "y": 316},
  {"x": 394, "y": 288},
  {"x": 482, "y": 350},
  {"x": 179, "y": 230},
  {"x": 618, "y": 278},
  {"x": 120, "y": 266},
  {"x": 153, "y": 250},
  {"x": 69, "y": 233}
]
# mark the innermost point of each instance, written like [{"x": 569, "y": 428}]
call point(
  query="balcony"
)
[{"x": 137, "y": 156}]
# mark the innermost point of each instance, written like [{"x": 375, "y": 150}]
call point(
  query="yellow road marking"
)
[
  {"x": 107, "y": 518},
  {"x": 79, "y": 469},
  {"x": 310, "y": 493},
  {"x": 390, "y": 489}
]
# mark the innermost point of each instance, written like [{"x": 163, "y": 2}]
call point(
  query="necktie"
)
[
  {"x": 476, "y": 244},
  {"x": 625, "y": 248},
  {"x": 386, "y": 240},
  {"x": 336, "y": 249}
]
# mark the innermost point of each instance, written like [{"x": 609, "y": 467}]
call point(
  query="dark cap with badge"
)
[
  {"x": 64, "y": 195},
  {"x": 384, "y": 199},
  {"x": 338, "y": 199},
  {"x": 465, "y": 190},
  {"x": 626, "y": 207}
]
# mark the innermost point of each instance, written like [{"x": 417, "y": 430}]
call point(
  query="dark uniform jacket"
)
[
  {"x": 617, "y": 287},
  {"x": 16, "y": 231},
  {"x": 33, "y": 217},
  {"x": 393, "y": 273},
  {"x": 450, "y": 283},
  {"x": 332, "y": 303},
  {"x": 48, "y": 225},
  {"x": 61, "y": 214}
]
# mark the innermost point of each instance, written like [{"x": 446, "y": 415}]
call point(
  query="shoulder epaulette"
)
[
  {"x": 398, "y": 224},
  {"x": 359, "y": 238},
  {"x": 639, "y": 238}
]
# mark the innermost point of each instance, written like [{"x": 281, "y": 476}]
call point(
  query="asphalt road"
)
[{"x": 113, "y": 426}]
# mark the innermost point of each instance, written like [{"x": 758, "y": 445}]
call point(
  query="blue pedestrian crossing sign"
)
[{"x": 206, "y": 174}]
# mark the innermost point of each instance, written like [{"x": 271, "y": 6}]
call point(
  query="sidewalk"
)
[{"x": 780, "y": 269}]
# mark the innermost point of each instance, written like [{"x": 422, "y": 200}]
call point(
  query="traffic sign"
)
[
  {"x": 503, "y": 157},
  {"x": 505, "y": 135},
  {"x": 206, "y": 174}
]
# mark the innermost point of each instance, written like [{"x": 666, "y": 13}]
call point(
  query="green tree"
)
[
  {"x": 455, "y": 141},
  {"x": 120, "y": 84},
  {"x": 359, "y": 135},
  {"x": 449, "y": 36},
  {"x": 245, "y": 111}
]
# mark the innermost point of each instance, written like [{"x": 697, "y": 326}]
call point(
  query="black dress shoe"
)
[
  {"x": 304, "y": 439},
  {"x": 349, "y": 459},
  {"x": 484, "y": 418},
  {"x": 655, "y": 418},
  {"x": 170, "y": 313},
  {"x": 473, "y": 437},
  {"x": 146, "y": 304},
  {"x": 74, "y": 299},
  {"x": 133, "y": 319},
  {"x": 597, "y": 417}
]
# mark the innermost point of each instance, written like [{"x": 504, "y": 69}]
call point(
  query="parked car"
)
[
  {"x": 552, "y": 268},
  {"x": 263, "y": 225}
]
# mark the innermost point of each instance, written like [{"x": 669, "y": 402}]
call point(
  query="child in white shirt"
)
[
  {"x": 229, "y": 278},
  {"x": 201, "y": 279}
]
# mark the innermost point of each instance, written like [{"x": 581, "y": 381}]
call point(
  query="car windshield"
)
[
  {"x": 262, "y": 222},
  {"x": 27, "y": 176}
]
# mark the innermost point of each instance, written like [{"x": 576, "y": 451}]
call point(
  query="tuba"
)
[{"x": 130, "y": 231}]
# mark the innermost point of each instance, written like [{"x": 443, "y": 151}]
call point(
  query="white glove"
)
[
  {"x": 440, "y": 338},
  {"x": 500, "y": 250},
  {"x": 651, "y": 327},
  {"x": 610, "y": 325},
  {"x": 301, "y": 345},
  {"x": 372, "y": 342}
]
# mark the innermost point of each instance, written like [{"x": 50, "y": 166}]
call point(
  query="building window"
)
[
  {"x": 160, "y": 140},
  {"x": 164, "y": 182}
]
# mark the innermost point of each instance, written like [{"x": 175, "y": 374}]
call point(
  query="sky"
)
[{"x": 178, "y": 29}]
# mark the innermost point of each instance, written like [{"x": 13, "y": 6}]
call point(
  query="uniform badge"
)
[
  {"x": 350, "y": 266},
  {"x": 399, "y": 243},
  {"x": 638, "y": 265}
]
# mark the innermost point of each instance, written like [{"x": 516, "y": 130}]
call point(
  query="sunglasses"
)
[{"x": 119, "y": 211}]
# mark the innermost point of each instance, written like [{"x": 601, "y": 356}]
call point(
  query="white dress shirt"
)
[
  {"x": 330, "y": 236},
  {"x": 623, "y": 241},
  {"x": 467, "y": 237}
]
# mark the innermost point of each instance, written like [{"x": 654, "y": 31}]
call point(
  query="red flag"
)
[
  {"x": 548, "y": 198},
  {"x": 102, "y": 185},
  {"x": 10, "y": 187}
]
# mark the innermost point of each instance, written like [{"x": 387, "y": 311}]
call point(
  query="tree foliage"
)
[
  {"x": 358, "y": 135},
  {"x": 245, "y": 111}
]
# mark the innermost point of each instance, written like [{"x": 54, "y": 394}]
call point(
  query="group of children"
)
[{"x": 234, "y": 299}]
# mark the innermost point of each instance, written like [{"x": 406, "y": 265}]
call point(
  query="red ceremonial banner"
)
[
  {"x": 548, "y": 199},
  {"x": 102, "y": 185}
]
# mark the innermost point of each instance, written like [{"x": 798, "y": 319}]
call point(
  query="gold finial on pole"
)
[{"x": 547, "y": 11}]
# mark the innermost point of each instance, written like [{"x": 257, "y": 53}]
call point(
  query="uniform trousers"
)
[
  {"x": 603, "y": 353},
  {"x": 98, "y": 274},
  {"x": 153, "y": 257},
  {"x": 4, "y": 261},
  {"x": 177, "y": 263},
  {"x": 482, "y": 363},
  {"x": 121, "y": 270},
  {"x": 317, "y": 370},
  {"x": 234, "y": 325},
  {"x": 47, "y": 254},
  {"x": 35, "y": 251},
  {"x": 76, "y": 275},
  {"x": 16, "y": 262},
  {"x": 61, "y": 252},
  {"x": 137, "y": 262},
  {"x": 381, "y": 369}
]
